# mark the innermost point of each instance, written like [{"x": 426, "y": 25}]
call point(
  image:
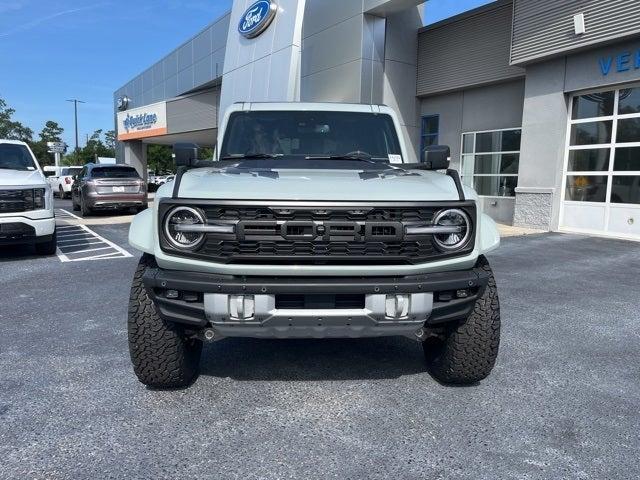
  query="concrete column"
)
[
  {"x": 401, "y": 71},
  {"x": 364, "y": 53},
  {"x": 135, "y": 154},
  {"x": 265, "y": 68},
  {"x": 544, "y": 125}
]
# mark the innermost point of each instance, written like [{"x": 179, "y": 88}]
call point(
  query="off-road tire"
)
[
  {"x": 49, "y": 247},
  {"x": 470, "y": 348},
  {"x": 162, "y": 356}
]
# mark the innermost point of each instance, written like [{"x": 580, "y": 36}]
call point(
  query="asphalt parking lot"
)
[{"x": 563, "y": 401}]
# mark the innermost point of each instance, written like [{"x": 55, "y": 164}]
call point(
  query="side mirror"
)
[
  {"x": 185, "y": 154},
  {"x": 436, "y": 157}
]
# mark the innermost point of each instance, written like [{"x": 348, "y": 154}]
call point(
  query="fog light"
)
[
  {"x": 173, "y": 294},
  {"x": 241, "y": 307},
  {"x": 462, "y": 293},
  {"x": 397, "y": 306}
]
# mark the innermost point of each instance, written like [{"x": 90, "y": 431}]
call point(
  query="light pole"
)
[{"x": 75, "y": 109}]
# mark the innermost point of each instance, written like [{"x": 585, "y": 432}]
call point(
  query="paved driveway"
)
[{"x": 563, "y": 401}]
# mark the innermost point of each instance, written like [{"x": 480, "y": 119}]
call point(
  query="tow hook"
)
[{"x": 209, "y": 335}]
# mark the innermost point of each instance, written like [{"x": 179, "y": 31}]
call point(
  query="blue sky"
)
[{"x": 53, "y": 50}]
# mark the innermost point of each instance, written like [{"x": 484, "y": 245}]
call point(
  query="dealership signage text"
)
[
  {"x": 623, "y": 62},
  {"x": 141, "y": 121}
]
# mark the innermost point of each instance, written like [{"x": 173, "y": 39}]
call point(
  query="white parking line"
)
[
  {"x": 89, "y": 250},
  {"x": 68, "y": 237},
  {"x": 97, "y": 242},
  {"x": 67, "y": 212}
]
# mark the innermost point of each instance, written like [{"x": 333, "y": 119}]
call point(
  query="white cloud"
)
[
  {"x": 12, "y": 5},
  {"x": 34, "y": 23}
]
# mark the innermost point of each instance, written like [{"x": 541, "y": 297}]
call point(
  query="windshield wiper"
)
[{"x": 251, "y": 156}]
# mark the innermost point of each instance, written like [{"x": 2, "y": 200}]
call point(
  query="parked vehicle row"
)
[
  {"x": 61, "y": 179},
  {"x": 156, "y": 181}
]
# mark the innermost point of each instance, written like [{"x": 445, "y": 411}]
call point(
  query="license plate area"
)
[
  {"x": 340, "y": 301},
  {"x": 118, "y": 189}
]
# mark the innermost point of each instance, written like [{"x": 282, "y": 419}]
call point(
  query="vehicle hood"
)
[
  {"x": 21, "y": 178},
  {"x": 316, "y": 185}
]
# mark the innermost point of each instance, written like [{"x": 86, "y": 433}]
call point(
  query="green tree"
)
[
  {"x": 110, "y": 140},
  {"x": 11, "y": 129},
  {"x": 159, "y": 158},
  {"x": 52, "y": 132}
]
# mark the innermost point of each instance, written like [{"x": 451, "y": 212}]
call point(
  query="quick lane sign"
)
[
  {"x": 623, "y": 62},
  {"x": 143, "y": 122}
]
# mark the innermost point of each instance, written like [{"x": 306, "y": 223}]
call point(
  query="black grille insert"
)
[{"x": 340, "y": 301}]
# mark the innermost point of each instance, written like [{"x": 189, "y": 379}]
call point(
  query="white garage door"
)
[{"x": 601, "y": 190}]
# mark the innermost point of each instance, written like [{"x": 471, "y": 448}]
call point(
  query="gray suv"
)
[{"x": 108, "y": 187}]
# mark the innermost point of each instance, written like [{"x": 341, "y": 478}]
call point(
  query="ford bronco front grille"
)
[{"x": 316, "y": 233}]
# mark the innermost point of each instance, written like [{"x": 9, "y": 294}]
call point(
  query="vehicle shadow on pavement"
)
[
  {"x": 313, "y": 360},
  {"x": 19, "y": 252}
]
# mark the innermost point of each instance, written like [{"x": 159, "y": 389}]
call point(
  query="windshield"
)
[
  {"x": 70, "y": 171},
  {"x": 15, "y": 157},
  {"x": 311, "y": 134},
  {"x": 114, "y": 172}
]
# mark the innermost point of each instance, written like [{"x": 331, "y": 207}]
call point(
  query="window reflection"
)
[
  {"x": 625, "y": 189},
  {"x": 592, "y": 160},
  {"x": 585, "y": 188},
  {"x": 593, "y": 105},
  {"x": 592, "y": 133}
]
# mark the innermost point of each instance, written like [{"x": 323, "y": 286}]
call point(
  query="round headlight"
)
[
  {"x": 460, "y": 229},
  {"x": 176, "y": 227}
]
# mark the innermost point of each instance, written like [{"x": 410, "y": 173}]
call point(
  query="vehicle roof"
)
[
  {"x": 12, "y": 142},
  {"x": 310, "y": 106},
  {"x": 107, "y": 166}
]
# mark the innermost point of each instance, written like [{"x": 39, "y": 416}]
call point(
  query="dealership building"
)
[{"x": 539, "y": 100}]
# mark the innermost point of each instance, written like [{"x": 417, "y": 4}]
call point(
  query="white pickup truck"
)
[
  {"x": 61, "y": 179},
  {"x": 26, "y": 202}
]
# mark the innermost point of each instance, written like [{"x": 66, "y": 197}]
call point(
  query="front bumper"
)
[
  {"x": 207, "y": 301},
  {"x": 20, "y": 230}
]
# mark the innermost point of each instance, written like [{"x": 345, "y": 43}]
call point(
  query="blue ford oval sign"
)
[{"x": 257, "y": 18}]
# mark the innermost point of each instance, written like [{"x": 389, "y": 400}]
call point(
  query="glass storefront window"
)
[
  {"x": 585, "y": 188},
  {"x": 625, "y": 189},
  {"x": 495, "y": 186},
  {"x": 592, "y": 133},
  {"x": 592, "y": 160},
  {"x": 490, "y": 161},
  {"x": 506, "y": 163},
  {"x": 467, "y": 142},
  {"x": 602, "y": 175},
  {"x": 430, "y": 131},
  {"x": 627, "y": 159},
  {"x": 628, "y": 130},
  {"x": 593, "y": 105},
  {"x": 629, "y": 101}
]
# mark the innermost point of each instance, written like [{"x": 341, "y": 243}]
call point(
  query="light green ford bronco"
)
[{"x": 309, "y": 223}]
